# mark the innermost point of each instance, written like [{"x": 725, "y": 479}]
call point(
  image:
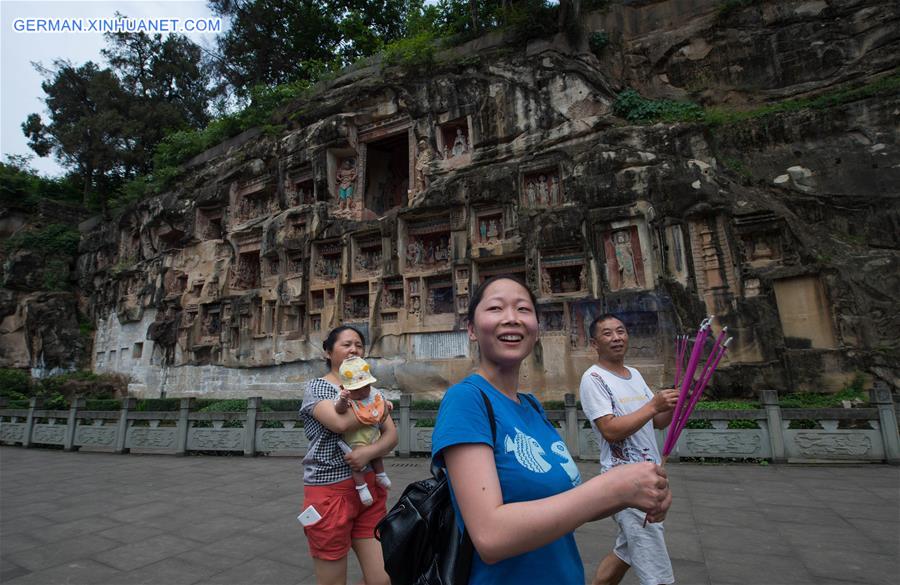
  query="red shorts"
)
[{"x": 343, "y": 516}]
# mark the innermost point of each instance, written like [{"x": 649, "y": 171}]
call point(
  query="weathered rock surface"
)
[{"x": 389, "y": 195}]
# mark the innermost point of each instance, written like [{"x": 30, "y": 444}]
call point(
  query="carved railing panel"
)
[{"x": 215, "y": 439}]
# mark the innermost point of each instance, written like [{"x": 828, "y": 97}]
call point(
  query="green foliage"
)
[
  {"x": 411, "y": 53},
  {"x": 283, "y": 405},
  {"x": 852, "y": 391},
  {"x": 158, "y": 405},
  {"x": 726, "y": 404},
  {"x": 231, "y": 405},
  {"x": 102, "y": 404},
  {"x": 530, "y": 19},
  {"x": 54, "y": 239},
  {"x": 803, "y": 423},
  {"x": 424, "y": 423},
  {"x": 633, "y": 107},
  {"x": 22, "y": 188},
  {"x": 698, "y": 424},
  {"x": 598, "y": 41},
  {"x": 14, "y": 384},
  {"x": 742, "y": 423},
  {"x": 425, "y": 405}
]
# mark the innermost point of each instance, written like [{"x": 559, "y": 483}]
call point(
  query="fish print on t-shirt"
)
[
  {"x": 559, "y": 449},
  {"x": 528, "y": 452}
]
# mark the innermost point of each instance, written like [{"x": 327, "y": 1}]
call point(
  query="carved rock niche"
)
[
  {"x": 454, "y": 141},
  {"x": 427, "y": 247},
  {"x": 487, "y": 228},
  {"x": 514, "y": 266},
  {"x": 367, "y": 254},
  {"x": 208, "y": 225},
  {"x": 343, "y": 175},
  {"x": 386, "y": 153},
  {"x": 391, "y": 299},
  {"x": 563, "y": 273},
  {"x": 254, "y": 199},
  {"x": 553, "y": 319},
  {"x": 356, "y": 302},
  {"x": 326, "y": 261},
  {"x": 626, "y": 258},
  {"x": 542, "y": 188},
  {"x": 299, "y": 188}
]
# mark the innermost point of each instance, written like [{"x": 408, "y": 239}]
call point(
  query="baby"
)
[{"x": 368, "y": 405}]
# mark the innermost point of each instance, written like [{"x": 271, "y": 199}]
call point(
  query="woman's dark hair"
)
[
  {"x": 329, "y": 342},
  {"x": 479, "y": 293}
]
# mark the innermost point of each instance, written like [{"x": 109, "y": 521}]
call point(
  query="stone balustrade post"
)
[
  {"x": 181, "y": 433},
  {"x": 128, "y": 404},
  {"x": 769, "y": 400},
  {"x": 881, "y": 397},
  {"x": 72, "y": 424},
  {"x": 405, "y": 430},
  {"x": 34, "y": 404},
  {"x": 572, "y": 429},
  {"x": 250, "y": 426}
]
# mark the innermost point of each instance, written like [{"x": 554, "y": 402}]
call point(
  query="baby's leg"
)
[
  {"x": 381, "y": 477},
  {"x": 359, "y": 478}
]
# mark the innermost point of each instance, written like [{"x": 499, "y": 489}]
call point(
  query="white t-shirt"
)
[{"x": 603, "y": 393}]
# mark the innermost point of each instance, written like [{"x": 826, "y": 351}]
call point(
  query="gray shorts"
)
[{"x": 643, "y": 547}]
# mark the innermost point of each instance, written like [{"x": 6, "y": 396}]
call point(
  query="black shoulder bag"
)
[{"x": 420, "y": 538}]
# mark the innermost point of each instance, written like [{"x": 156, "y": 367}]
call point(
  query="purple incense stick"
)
[
  {"x": 688, "y": 378},
  {"x": 701, "y": 387}
]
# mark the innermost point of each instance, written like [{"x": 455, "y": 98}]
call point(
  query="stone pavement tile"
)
[
  {"x": 749, "y": 567},
  {"x": 851, "y": 565},
  {"x": 827, "y": 537},
  {"x": 73, "y": 529},
  {"x": 684, "y": 545},
  {"x": 261, "y": 571},
  {"x": 171, "y": 571},
  {"x": 862, "y": 510},
  {"x": 146, "y": 511},
  {"x": 11, "y": 543},
  {"x": 79, "y": 509},
  {"x": 740, "y": 517},
  {"x": 723, "y": 499},
  {"x": 885, "y": 533},
  {"x": 890, "y": 494},
  {"x": 76, "y": 572},
  {"x": 66, "y": 551},
  {"x": 783, "y": 496},
  {"x": 44, "y": 508},
  {"x": 294, "y": 554},
  {"x": 9, "y": 570},
  {"x": 833, "y": 494},
  {"x": 744, "y": 539},
  {"x": 688, "y": 572},
  {"x": 144, "y": 552},
  {"x": 240, "y": 547},
  {"x": 174, "y": 520},
  {"x": 207, "y": 559},
  {"x": 21, "y": 524},
  {"x": 218, "y": 527},
  {"x": 127, "y": 533},
  {"x": 817, "y": 516}
]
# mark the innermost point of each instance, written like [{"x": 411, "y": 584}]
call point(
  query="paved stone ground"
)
[{"x": 101, "y": 518}]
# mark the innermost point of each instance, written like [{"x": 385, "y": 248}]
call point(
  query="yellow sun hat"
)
[{"x": 355, "y": 373}]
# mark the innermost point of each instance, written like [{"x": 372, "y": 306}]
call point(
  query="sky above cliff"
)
[{"x": 20, "y": 86}]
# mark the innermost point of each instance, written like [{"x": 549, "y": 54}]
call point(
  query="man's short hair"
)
[{"x": 600, "y": 319}]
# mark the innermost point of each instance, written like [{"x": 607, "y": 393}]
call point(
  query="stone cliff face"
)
[{"x": 390, "y": 194}]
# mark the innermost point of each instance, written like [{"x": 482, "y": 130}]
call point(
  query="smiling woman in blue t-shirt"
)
[{"x": 521, "y": 497}]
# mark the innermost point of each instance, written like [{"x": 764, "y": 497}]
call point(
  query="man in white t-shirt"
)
[{"x": 623, "y": 412}]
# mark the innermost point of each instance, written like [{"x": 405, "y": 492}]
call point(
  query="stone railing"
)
[{"x": 841, "y": 434}]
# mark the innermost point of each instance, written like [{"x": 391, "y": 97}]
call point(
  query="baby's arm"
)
[{"x": 343, "y": 401}]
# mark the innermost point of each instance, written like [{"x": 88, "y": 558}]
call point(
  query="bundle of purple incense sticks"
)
[{"x": 691, "y": 389}]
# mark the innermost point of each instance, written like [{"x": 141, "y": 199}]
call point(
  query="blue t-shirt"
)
[{"x": 532, "y": 463}]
